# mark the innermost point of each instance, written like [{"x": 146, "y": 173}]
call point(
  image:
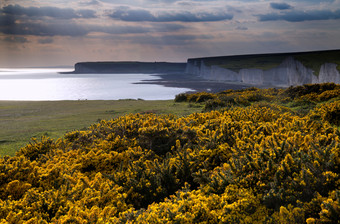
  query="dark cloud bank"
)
[
  {"x": 300, "y": 16},
  {"x": 54, "y": 12},
  {"x": 280, "y": 6},
  {"x": 50, "y": 21}
]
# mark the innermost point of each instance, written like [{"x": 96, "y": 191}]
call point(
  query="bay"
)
[{"x": 48, "y": 84}]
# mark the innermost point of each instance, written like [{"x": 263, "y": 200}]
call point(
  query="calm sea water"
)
[{"x": 48, "y": 84}]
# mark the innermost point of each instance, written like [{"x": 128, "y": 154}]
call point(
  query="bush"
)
[
  {"x": 182, "y": 97},
  {"x": 328, "y": 112},
  {"x": 254, "y": 164},
  {"x": 298, "y": 91}
]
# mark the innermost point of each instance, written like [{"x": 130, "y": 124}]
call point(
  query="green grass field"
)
[{"x": 22, "y": 120}]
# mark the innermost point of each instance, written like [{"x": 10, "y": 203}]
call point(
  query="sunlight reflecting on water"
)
[{"x": 48, "y": 84}]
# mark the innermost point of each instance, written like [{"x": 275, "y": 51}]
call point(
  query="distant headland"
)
[{"x": 129, "y": 67}]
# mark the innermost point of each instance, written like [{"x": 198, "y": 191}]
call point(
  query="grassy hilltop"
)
[
  {"x": 312, "y": 60},
  {"x": 251, "y": 156}
]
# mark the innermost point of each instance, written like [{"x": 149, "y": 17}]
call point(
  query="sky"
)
[{"x": 36, "y": 33}]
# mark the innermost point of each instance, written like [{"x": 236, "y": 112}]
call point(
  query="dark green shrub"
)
[
  {"x": 298, "y": 91},
  {"x": 182, "y": 97},
  {"x": 203, "y": 97}
]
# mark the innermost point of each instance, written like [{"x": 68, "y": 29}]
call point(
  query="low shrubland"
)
[{"x": 253, "y": 156}]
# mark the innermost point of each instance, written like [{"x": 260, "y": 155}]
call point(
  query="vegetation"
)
[
  {"x": 254, "y": 156},
  {"x": 312, "y": 60},
  {"x": 236, "y": 63},
  {"x": 298, "y": 100},
  {"x": 22, "y": 120}
]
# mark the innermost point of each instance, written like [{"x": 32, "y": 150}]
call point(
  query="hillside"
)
[
  {"x": 284, "y": 69},
  {"x": 252, "y": 156}
]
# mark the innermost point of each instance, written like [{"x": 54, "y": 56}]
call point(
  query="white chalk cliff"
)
[{"x": 289, "y": 73}]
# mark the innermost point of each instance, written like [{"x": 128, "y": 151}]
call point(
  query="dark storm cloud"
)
[
  {"x": 141, "y": 15},
  {"x": 280, "y": 6},
  {"x": 54, "y": 12},
  {"x": 127, "y": 14},
  {"x": 16, "y": 39},
  {"x": 300, "y": 16},
  {"x": 6, "y": 20}
]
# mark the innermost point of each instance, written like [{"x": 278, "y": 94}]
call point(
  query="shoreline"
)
[{"x": 196, "y": 83}]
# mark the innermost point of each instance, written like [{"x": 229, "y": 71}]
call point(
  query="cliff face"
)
[
  {"x": 328, "y": 73},
  {"x": 290, "y": 72}
]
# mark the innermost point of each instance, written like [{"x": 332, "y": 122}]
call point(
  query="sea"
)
[{"x": 42, "y": 84}]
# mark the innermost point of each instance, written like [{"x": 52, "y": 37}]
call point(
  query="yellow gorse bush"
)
[{"x": 263, "y": 163}]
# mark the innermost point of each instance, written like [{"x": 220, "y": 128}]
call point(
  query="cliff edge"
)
[{"x": 287, "y": 69}]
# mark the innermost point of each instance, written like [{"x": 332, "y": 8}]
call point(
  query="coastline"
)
[{"x": 196, "y": 83}]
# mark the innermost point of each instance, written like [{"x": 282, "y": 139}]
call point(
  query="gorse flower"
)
[{"x": 258, "y": 159}]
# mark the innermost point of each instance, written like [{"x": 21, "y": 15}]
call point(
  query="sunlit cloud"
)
[
  {"x": 72, "y": 29},
  {"x": 134, "y": 15}
]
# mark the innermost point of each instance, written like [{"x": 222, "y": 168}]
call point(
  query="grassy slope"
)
[
  {"x": 22, "y": 120},
  {"x": 312, "y": 60}
]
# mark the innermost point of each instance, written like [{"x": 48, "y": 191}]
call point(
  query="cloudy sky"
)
[{"x": 63, "y": 32}]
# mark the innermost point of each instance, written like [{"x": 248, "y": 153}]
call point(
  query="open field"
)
[{"x": 22, "y": 120}]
